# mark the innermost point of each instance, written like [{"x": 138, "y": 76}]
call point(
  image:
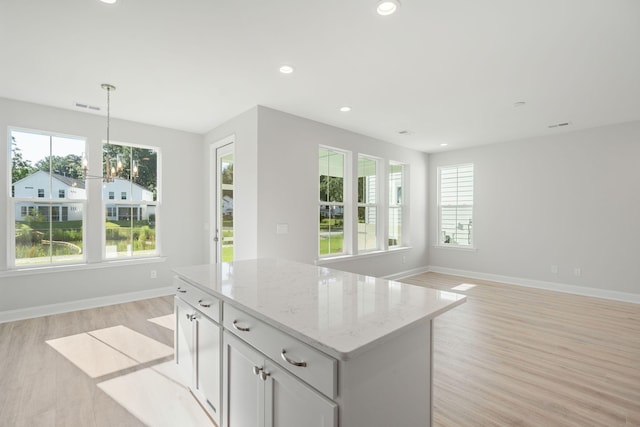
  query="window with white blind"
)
[{"x": 455, "y": 205}]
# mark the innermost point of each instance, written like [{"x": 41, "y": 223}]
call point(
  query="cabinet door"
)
[
  {"x": 207, "y": 364},
  {"x": 243, "y": 389},
  {"x": 183, "y": 339},
  {"x": 291, "y": 403}
]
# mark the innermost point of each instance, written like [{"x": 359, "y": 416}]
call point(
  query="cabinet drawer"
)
[
  {"x": 207, "y": 304},
  {"x": 305, "y": 362}
]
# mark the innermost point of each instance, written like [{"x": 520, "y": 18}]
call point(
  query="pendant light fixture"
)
[{"x": 112, "y": 168}]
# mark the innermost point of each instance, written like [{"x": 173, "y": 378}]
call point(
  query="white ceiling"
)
[{"x": 449, "y": 71}]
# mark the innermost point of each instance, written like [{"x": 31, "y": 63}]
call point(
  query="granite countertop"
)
[{"x": 342, "y": 314}]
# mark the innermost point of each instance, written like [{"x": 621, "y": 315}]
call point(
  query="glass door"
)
[{"x": 224, "y": 206}]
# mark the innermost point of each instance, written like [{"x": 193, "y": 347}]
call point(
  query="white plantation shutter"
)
[{"x": 455, "y": 205}]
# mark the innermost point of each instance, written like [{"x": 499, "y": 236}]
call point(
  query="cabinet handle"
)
[
  {"x": 204, "y": 304},
  {"x": 193, "y": 316},
  {"x": 293, "y": 362},
  {"x": 239, "y": 328},
  {"x": 182, "y": 291},
  {"x": 264, "y": 375},
  {"x": 256, "y": 370}
]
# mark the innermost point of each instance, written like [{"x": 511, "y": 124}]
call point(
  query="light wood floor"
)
[
  {"x": 513, "y": 356},
  {"x": 109, "y": 366},
  {"x": 510, "y": 356}
]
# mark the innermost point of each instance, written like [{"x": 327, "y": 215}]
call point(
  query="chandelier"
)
[{"x": 112, "y": 167}]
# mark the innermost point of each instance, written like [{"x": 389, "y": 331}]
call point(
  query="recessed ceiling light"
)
[
  {"x": 345, "y": 109},
  {"x": 444, "y": 144},
  {"x": 109, "y": 1},
  {"x": 286, "y": 69},
  {"x": 387, "y": 7},
  {"x": 404, "y": 132},
  {"x": 519, "y": 104}
]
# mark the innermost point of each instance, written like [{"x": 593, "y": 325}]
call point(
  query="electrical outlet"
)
[
  {"x": 153, "y": 274},
  {"x": 577, "y": 272},
  {"x": 554, "y": 269}
]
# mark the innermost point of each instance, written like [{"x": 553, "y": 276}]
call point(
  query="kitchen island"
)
[{"x": 277, "y": 343}]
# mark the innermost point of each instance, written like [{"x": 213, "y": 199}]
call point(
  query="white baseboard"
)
[
  {"x": 64, "y": 307},
  {"x": 408, "y": 273},
  {"x": 540, "y": 284}
]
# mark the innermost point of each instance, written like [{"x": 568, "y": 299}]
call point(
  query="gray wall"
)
[
  {"x": 571, "y": 200},
  {"x": 182, "y": 186}
]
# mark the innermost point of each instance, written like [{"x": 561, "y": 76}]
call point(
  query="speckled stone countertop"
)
[{"x": 342, "y": 314}]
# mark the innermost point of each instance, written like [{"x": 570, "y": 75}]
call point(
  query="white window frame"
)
[
  {"x": 51, "y": 201},
  {"x": 134, "y": 204},
  {"x": 454, "y": 240},
  {"x": 400, "y": 206},
  {"x": 376, "y": 204},
  {"x": 345, "y": 205}
]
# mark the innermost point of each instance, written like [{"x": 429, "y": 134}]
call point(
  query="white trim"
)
[
  {"x": 46, "y": 310},
  {"x": 540, "y": 284},
  {"x": 63, "y": 268},
  {"x": 407, "y": 273},
  {"x": 352, "y": 257},
  {"x": 456, "y": 247}
]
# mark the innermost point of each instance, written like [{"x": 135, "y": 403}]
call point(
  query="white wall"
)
[
  {"x": 243, "y": 129},
  {"x": 288, "y": 191},
  {"x": 571, "y": 200},
  {"x": 182, "y": 188}
]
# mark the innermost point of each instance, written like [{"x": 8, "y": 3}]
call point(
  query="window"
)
[
  {"x": 373, "y": 223},
  {"x": 130, "y": 226},
  {"x": 367, "y": 204},
  {"x": 332, "y": 165},
  {"x": 455, "y": 205},
  {"x": 45, "y": 231},
  {"x": 396, "y": 188}
]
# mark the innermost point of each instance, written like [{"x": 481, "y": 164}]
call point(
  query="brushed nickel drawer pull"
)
[
  {"x": 239, "y": 328},
  {"x": 204, "y": 304},
  {"x": 293, "y": 362}
]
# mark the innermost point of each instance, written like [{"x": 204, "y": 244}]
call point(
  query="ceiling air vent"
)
[
  {"x": 559, "y": 125},
  {"x": 87, "y": 106}
]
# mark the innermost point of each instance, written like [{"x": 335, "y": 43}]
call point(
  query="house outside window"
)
[
  {"x": 131, "y": 222},
  {"x": 331, "y": 232},
  {"x": 455, "y": 205},
  {"x": 47, "y": 230},
  {"x": 396, "y": 200},
  {"x": 367, "y": 204}
]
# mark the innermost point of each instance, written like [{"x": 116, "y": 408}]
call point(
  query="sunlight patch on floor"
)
[
  {"x": 155, "y": 399},
  {"x": 168, "y": 321}
]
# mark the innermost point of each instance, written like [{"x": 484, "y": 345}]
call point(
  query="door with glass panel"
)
[{"x": 223, "y": 239}]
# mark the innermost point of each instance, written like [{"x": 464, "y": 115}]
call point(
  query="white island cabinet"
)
[{"x": 304, "y": 345}]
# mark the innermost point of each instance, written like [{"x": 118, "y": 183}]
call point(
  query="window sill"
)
[
  {"x": 339, "y": 258},
  {"x": 456, "y": 248},
  {"x": 25, "y": 271}
]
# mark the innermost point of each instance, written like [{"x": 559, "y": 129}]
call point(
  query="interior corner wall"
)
[
  {"x": 243, "y": 129},
  {"x": 288, "y": 192},
  {"x": 181, "y": 170},
  {"x": 571, "y": 200}
]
